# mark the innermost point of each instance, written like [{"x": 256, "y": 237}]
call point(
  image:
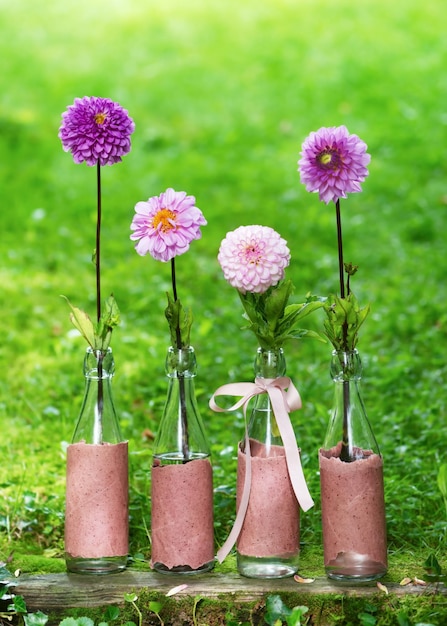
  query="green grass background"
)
[{"x": 223, "y": 95}]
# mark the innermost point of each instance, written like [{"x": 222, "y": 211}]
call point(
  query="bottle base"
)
[
  {"x": 266, "y": 567},
  {"x": 354, "y": 578},
  {"x": 359, "y": 573},
  {"x": 183, "y": 569},
  {"x": 351, "y": 566},
  {"x": 96, "y": 566}
]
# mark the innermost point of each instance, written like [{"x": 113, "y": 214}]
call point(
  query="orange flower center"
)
[
  {"x": 164, "y": 220},
  {"x": 100, "y": 118}
]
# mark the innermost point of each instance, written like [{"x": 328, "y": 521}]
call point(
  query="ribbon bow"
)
[{"x": 284, "y": 398}]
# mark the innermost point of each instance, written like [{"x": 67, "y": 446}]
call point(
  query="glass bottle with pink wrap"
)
[
  {"x": 269, "y": 541},
  {"x": 96, "y": 518},
  {"x": 182, "y": 520},
  {"x": 351, "y": 476}
]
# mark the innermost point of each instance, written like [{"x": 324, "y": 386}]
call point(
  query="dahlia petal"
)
[
  {"x": 143, "y": 246},
  {"x": 142, "y": 208}
]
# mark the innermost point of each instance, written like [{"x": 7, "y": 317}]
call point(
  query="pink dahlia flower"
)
[
  {"x": 165, "y": 225},
  {"x": 333, "y": 162},
  {"x": 253, "y": 258},
  {"x": 96, "y": 130}
]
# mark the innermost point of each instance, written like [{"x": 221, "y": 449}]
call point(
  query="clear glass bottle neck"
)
[
  {"x": 262, "y": 425},
  {"x": 99, "y": 364},
  {"x": 349, "y": 427},
  {"x": 181, "y": 435},
  {"x": 346, "y": 366},
  {"x": 269, "y": 363},
  {"x": 98, "y": 422},
  {"x": 181, "y": 363}
]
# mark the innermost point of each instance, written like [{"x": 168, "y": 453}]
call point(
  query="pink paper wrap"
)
[
  {"x": 353, "y": 512},
  {"x": 272, "y": 524},
  {"x": 182, "y": 514},
  {"x": 96, "y": 518}
]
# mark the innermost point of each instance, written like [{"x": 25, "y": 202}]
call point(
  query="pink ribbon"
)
[{"x": 284, "y": 398}]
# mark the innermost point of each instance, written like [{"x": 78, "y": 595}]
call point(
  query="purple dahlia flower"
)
[
  {"x": 333, "y": 162},
  {"x": 165, "y": 225},
  {"x": 253, "y": 258},
  {"x": 96, "y": 130}
]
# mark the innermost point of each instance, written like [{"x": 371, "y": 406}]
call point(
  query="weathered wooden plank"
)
[{"x": 56, "y": 591}]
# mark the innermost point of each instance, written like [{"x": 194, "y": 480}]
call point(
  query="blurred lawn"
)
[{"x": 223, "y": 94}]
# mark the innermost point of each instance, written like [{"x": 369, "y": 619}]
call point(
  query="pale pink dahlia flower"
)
[
  {"x": 333, "y": 162},
  {"x": 96, "y": 130},
  {"x": 165, "y": 225},
  {"x": 253, "y": 258}
]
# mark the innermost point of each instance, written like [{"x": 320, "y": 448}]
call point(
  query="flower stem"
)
[
  {"x": 181, "y": 379},
  {"x": 98, "y": 301},
  {"x": 340, "y": 249},
  {"x": 346, "y": 447},
  {"x": 346, "y": 452},
  {"x": 98, "y": 242},
  {"x": 174, "y": 294},
  {"x": 98, "y": 430}
]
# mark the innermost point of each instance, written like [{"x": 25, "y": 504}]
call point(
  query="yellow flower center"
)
[
  {"x": 100, "y": 118},
  {"x": 330, "y": 159},
  {"x": 165, "y": 217}
]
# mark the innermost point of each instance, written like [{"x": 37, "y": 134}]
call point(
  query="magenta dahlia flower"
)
[
  {"x": 165, "y": 225},
  {"x": 96, "y": 130},
  {"x": 333, "y": 162},
  {"x": 253, "y": 258}
]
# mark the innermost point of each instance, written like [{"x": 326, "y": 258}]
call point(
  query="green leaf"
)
[
  {"x": 35, "y": 619},
  {"x": 344, "y": 318},
  {"x": 4, "y": 573},
  {"x": 85, "y": 621},
  {"x": 276, "y": 610},
  {"x": 366, "y": 619},
  {"x": 272, "y": 320},
  {"x": 78, "y": 621},
  {"x": 292, "y": 315},
  {"x": 110, "y": 318},
  {"x": 442, "y": 480},
  {"x": 19, "y": 604},
  {"x": 111, "y": 613},
  {"x": 82, "y": 322},
  {"x": 294, "y": 619},
  {"x": 275, "y": 303},
  {"x": 155, "y": 607},
  {"x": 97, "y": 335},
  {"x": 303, "y": 332},
  {"x": 180, "y": 322},
  {"x": 130, "y": 597},
  {"x": 303, "y": 310}
]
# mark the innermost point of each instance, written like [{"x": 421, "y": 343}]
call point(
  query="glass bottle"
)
[
  {"x": 96, "y": 518},
  {"x": 268, "y": 544},
  {"x": 182, "y": 480},
  {"x": 351, "y": 476}
]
